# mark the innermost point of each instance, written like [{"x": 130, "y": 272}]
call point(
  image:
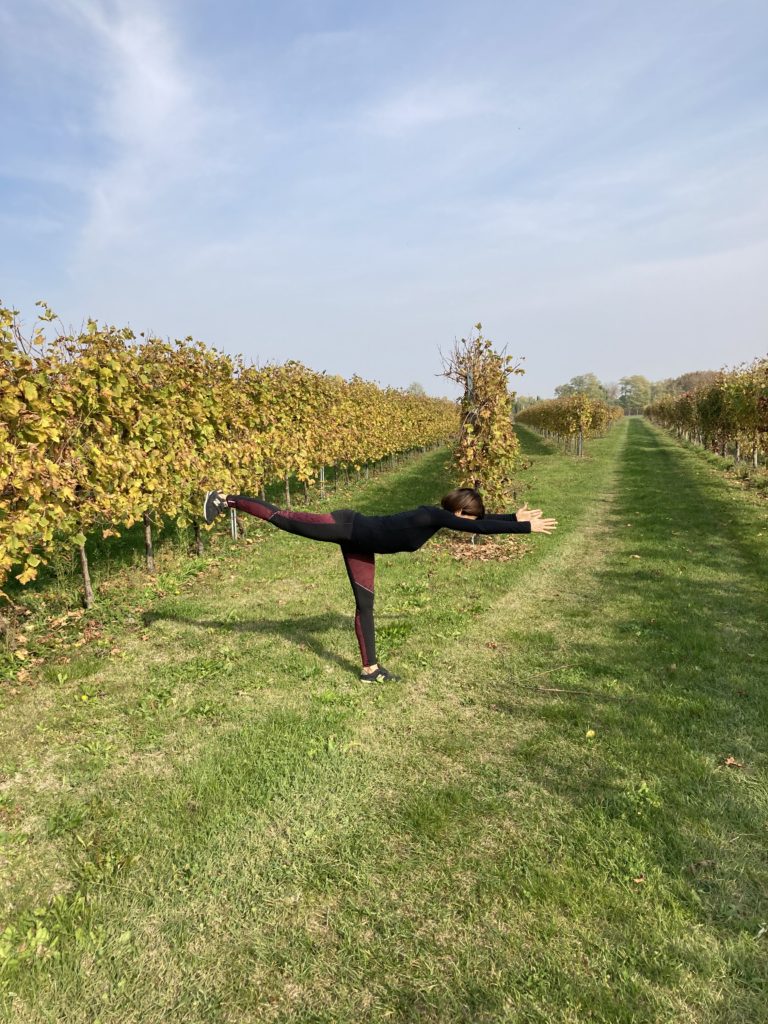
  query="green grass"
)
[{"x": 231, "y": 828}]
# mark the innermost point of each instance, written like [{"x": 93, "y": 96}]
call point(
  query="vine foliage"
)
[
  {"x": 486, "y": 451},
  {"x": 729, "y": 414},
  {"x": 571, "y": 419},
  {"x": 101, "y": 430}
]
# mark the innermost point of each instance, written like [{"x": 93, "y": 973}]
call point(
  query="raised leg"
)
[{"x": 329, "y": 526}]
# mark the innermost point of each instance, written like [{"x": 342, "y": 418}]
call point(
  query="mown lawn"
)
[{"x": 560, "y": 815}]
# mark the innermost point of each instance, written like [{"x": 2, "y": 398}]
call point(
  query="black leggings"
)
[{"x": 335, "y": 527}]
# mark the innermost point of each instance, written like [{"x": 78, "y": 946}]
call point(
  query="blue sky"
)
[{"x": 354, "y": 185}]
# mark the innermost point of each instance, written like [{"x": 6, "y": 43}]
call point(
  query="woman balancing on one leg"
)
[{"x": 361, "y": 538}]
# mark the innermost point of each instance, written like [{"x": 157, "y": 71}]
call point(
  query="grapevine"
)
[
  {"x": 571, "y": 419},
  {"x": 101, "y": 430},
  {"x": 486, "y": 450}
]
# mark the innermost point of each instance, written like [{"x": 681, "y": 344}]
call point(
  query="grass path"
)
[{"x": 232, "y": 829}]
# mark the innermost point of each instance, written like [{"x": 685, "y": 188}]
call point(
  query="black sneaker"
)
[
  {"x": 213, "y": 505},
  {"x": 379, "y": 675}
]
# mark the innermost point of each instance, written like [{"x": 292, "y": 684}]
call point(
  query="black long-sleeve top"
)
[{"x": 407, "y": 531}]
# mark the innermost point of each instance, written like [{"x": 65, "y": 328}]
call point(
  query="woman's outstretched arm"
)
[
  {"x": 523, "y": 514},
  {"x": 487, "y": 525}
]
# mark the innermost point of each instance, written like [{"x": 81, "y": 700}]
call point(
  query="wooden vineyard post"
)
[
  {"x": 322, "y": 481},
  {"x": 87, "y": 588},
  {"x": 198, "y": 543},
  {"x": 148, "y": 548},
  {"x": 233, "y": 523}
]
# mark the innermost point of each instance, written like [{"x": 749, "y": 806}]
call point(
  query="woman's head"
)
[{"x": 466, "y": 500}]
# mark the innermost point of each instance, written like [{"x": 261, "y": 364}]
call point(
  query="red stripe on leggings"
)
[
  {"x": 361, "y": 639},
  {"x": 363, "y": 568},
  {"x": 306, "y": 517},
  {"x": 254, "y": 508}
]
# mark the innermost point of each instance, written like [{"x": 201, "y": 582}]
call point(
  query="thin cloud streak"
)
[{"x": 429, "y": 103}]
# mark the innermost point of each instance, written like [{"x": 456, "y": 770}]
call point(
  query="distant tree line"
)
[{"x": 632, "y": 393}]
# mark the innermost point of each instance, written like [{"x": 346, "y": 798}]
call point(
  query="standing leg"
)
[{"x": 361, "y": 568}]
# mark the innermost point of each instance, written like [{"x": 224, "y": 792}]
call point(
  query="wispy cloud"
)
[
  {"x": 148, "y": 111},
  {"x": 426, "y": 104}
]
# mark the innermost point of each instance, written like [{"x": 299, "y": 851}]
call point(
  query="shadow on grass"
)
[
  {"x": 423, "y": 482},
  {"x": 105, "y": 556},
  {"x": 532, "y": 444},
  {"x": 306, "y": 630}
]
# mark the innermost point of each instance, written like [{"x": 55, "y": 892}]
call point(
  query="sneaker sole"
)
[{"x": 206, "y": 520}]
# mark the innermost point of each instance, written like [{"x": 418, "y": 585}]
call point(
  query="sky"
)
[{"x": 355, "y": 185}]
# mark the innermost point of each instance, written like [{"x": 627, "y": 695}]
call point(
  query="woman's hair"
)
[{"x": 464, "y": 499}]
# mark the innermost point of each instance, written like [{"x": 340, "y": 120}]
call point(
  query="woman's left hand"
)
[{"x": 525, "y": 514}]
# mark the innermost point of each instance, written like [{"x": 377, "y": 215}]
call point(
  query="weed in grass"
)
[
  {"x": 391, "y": 635},
  {"x": 99, "y": 751},
  {"x": 202, "y": 709},
  {"x": 155, "y": 699},
  {"x": 66, "y": 818}
]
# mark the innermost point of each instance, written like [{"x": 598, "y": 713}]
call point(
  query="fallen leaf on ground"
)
[
  {"x": 489, "y": 551},
  {"x": 731, "y": 762}
]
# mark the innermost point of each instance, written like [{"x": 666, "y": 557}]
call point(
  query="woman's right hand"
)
[{"x": 543, "y": 525}]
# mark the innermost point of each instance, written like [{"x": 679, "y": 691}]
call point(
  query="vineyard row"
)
[
  {"x": 730, "y": 415},
  {"x": 101, "y": 430},
  {"x": 570, "y": 419}
]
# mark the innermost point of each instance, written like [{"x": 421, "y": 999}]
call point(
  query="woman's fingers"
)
[
  {"x": 524, "y": 513},
  {"x": 543, "y": 525}
]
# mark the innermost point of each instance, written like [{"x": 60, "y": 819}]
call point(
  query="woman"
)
[{"x": 361, "y": 538}]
